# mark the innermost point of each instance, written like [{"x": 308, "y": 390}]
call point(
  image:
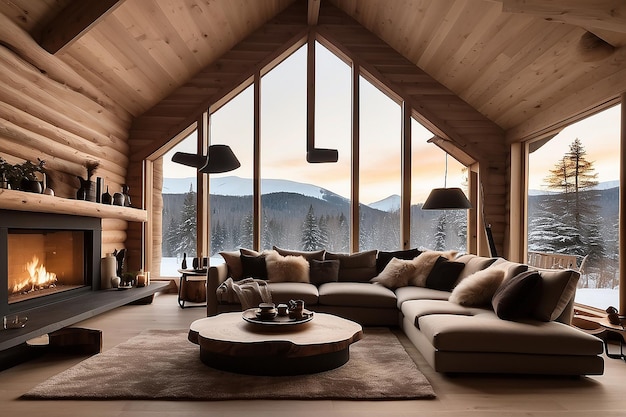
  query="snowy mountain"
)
[
  {"x": 236, "y": 186},
  {"x": 391, "y": 203}
]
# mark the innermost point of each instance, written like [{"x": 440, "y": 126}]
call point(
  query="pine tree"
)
[
  {"x": 310, "y": 232},
  {"x": 185, "y": 235},
  {"x": 169, "y": 248},
  {"x": 218, "y": 237},
  {"x": 440, "y": 233},
  {"x": 568, "y": 220}
]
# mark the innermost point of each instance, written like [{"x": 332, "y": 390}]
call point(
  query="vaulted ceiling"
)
[{"x": 524, "y": 65}]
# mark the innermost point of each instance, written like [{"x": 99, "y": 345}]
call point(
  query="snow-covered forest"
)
[
  {"x": 576, "y": 218},
  {"x": 296, "y": 221}
]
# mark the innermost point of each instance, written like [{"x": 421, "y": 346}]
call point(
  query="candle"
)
[{"x": 141, "y": 279}]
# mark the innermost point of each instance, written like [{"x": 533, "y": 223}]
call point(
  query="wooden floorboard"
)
[{"x": 467, "y": 395}]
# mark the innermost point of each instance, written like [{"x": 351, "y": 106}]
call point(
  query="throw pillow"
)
[
  {"x": 356, "y": 267},
  {"x": 396, "y": 274},
  {"x": 517, "y": 297},
  {"x": 253, "y": 266},
  {"x": 477, "y": 289},
  {"x": 322, "y": 272},
  {"x": 308, "y": 255},
  {"x": 558, "y": 288},
  {"x": 510, "y": 268},
  {"x": 233, "y": 261},
  {"x": 444, "y": 274},
  {"x": 424, "y": 263},
  {"x": 286, "y": 268},
  {"x": 383, "y": 258},
  {"x": 473, "y": 263}
]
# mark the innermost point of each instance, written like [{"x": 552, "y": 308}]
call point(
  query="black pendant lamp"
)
[
  {"x": 446, "y": 198},
  {"x": 220, "y": 158}
]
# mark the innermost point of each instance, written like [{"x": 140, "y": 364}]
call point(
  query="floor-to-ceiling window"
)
[
  {"x": 573, "y": 196},
  {"x": 380, "y": 169},
  {"x": 432, "y": 168},
  {"x": 231, "y": 204},
  {"x": 180, "y": 199},
  {"x": 308, "y": 206}
]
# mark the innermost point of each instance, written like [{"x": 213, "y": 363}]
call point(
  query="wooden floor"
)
[{"x": 459, "y": 395}]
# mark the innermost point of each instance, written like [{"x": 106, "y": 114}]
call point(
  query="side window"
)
[{"x": 573, "y": 200}]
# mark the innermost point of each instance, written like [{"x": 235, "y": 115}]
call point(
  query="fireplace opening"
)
[
  {"x": 46, "y": 259},
  {"x": 44, "y": 262}
]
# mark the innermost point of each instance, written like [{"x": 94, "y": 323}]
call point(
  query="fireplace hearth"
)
[{"x": 71, "y": 292}]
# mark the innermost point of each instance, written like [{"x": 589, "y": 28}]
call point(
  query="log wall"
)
[{"x": 49, "y": 111}]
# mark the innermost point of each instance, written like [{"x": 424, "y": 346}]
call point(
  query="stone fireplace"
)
[{"x": 46, "y": 258}]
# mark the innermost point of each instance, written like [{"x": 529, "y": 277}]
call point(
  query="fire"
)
[{"x": 38, "y": 277}]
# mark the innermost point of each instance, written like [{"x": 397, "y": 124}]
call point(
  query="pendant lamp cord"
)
[{"x": 445, "y": 174}]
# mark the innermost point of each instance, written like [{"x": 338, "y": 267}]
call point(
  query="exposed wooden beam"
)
[
  {"x": 313, "y": 12},
  {"x": 597, "y": 14},
  {"x": 75, "y": 20}
]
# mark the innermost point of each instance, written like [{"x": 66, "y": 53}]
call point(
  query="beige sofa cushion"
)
[
  {"x": 420, "y": 308},
  {"x": 485, "y": 332},
  {"x": 356, "y": 294},
  {"x": 285, "y": 291},
  {"x": 419, "y": 293}
]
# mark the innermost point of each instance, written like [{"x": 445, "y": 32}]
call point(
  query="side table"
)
[
  {"x": 612, "y": 333},
  {"x": 192, "y": 287}
]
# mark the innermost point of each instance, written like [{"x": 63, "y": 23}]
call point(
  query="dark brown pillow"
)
[
  {"x": 383, "y": 258},
  {"x": 323, "y": 271},
  {"x": 517, "y": 298},
  {"x": 444, "y": 274},
  {"x": 253, "y": 266},
  {"x": 356, "y": 267}
]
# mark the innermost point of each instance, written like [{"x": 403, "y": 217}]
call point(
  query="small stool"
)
[{"x": 192, "y": 287}]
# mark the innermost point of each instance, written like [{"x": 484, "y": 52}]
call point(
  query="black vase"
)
[
  {"x": 106, "y": 197},
  {"x": 184, "y": 264},
  {"x": 31, "y": 186}
]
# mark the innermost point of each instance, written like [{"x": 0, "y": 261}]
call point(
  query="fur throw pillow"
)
[
  {"x": 397, "y": 273},
  {"x": 477, "y": 289},
  {"x": 286, "y": 268},
  {"x": 425, "y": 262}
]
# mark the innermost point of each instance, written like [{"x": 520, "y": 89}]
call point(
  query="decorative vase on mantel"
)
[{"x": 87, "y": 190}]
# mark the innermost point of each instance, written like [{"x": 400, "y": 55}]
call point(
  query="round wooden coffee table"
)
[{"x": 229, "y": 343}]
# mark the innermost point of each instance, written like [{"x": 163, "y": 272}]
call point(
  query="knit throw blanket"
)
[{"x": 249, "y": 292}]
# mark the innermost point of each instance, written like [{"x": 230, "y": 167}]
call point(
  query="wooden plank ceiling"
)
[{"x": 520, "y": 63}]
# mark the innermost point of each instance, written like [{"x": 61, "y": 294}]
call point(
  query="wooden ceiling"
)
[{"x": 520, "y": 63}]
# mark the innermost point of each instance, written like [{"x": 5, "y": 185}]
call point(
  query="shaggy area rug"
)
[{"x": 164, "y": 365}]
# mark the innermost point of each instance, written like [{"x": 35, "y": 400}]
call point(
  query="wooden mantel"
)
[{"x": 42, "y": 203}]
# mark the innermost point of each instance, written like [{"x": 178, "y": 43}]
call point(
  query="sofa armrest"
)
[{"x": 216, "y": 275}]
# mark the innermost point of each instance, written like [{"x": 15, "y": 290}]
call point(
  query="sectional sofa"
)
[{"x": 463, "y": 313}]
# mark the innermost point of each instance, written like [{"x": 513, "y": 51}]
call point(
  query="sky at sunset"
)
[{"x": 283, "y": 136}]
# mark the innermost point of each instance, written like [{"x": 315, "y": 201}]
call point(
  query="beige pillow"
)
[
  {"x": 233, "y": 261},
  {"x": 477, "y": 289},
  {"x": 425, "y": 262},
  {"x": 397, "y": 273},
  {"x": 286, "y": 268}
]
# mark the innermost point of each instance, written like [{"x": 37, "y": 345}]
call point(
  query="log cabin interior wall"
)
[{"x": 113, "y": 81}]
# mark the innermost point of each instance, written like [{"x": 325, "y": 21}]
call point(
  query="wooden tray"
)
[{"x": 250, "y": 315}]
